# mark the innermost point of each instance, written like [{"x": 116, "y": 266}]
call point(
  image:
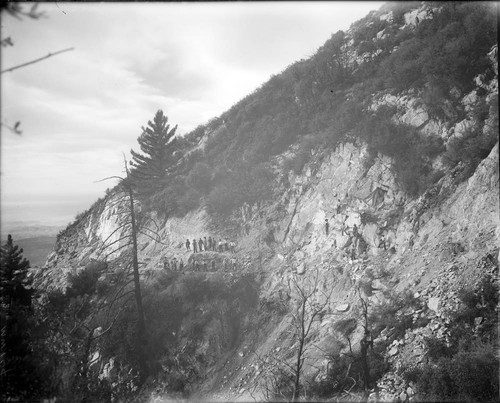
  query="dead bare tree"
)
[
  {"x": 365, "y": 343},
  {"x": 308, "y": 311},
  {"x": 126, "y": 234}
]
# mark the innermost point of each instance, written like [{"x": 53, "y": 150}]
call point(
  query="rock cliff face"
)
[
  {"x": 433, "y": 245},
  {"x": 344, "y": 224}
]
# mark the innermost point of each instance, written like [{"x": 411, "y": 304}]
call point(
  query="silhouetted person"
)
[
  {"x": 220, "y": 245},
  {"x": 188, "y": 244},
  {"x": 194, "y": 246},
  {"x": 209, "y": 243},
  {"x": 181, "y": 265},
  {"x": 205, "y": 266},
  {"x": 205, "y": 244},
  {"x": 226, "y": 247},
  {"x": 327, "y": 226},
  {"x": 382, "y": 242},
  {"x": 200, "y": 244},
  {"x": 174, "y": 264},
  {"x": 213, "y": 265}
]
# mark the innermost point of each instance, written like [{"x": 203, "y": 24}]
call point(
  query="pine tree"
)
[
  {"x": 158, "y": 144},
  {"x": 14, "y": 282},
  {"x": 18, "y": 372}
]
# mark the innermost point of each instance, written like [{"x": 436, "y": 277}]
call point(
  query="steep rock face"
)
[
  {"x": 451, "y": 227},
  {"x": 439, "y": 247},
  {"x": 379, "y": 239}
]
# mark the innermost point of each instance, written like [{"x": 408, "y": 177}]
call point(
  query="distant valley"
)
[
  {"x": 37, "y": 240},
  {"x": 36, "y": 249}
]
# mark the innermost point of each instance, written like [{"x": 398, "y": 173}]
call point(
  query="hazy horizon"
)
[{"x": 81, "y": 110}]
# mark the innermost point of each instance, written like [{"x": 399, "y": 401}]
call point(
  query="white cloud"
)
[{"x": 80, "y": 110}]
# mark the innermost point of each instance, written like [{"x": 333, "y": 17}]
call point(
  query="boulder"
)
[
  {"x": 342, "y": 307},
  {"x": 433, "y": 304},
  {"x": 370, "y": 234},
  {"x": 302, "y": 268}
]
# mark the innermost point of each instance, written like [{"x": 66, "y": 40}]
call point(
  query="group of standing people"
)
[
  {"x": 174, "y": 265},
  {"x": 194, "y": 265},
  {"x": 205, "y": 265},
  {"x": 210, "y": 244}
]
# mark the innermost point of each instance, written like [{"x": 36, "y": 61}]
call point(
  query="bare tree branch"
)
[
  {"x": 36, "y": 60},
  {"x": 14, "y": 129}
]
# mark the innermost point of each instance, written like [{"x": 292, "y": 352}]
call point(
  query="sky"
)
[{"x": 82, "y": 109}]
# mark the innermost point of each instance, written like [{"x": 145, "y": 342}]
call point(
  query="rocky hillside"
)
[{"x": 412, "y": 210}]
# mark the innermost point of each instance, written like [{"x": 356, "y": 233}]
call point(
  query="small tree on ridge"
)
[{"x": 158, "y": 144}]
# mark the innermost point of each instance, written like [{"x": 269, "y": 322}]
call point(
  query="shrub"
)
[
  {"x": 85, "y": 281},
  {"x": 436, "y": 348},
  {"x": 466, "y": 369},
  {"x": 476, "y": 142},
  {"x": 467, "y": 376},
  {"x": 200, "y": 177},
  {"x": 395, "y": 315},
  {"x": 346, "y": 326},
  {"x": 248, "y": 184}
]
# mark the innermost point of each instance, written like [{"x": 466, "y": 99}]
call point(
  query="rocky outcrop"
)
[{"x": 343, "y": 227}]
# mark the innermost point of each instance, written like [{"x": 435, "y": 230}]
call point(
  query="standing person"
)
[
  {"x": 233, "y": 264},
  {"x": 181, "y": 265},
  {"x": 205, "y": 244},
  {"x": 382, "y": 242},
  {"x": 165, "y": 264},
  {"x": 213, "y": 265},
  {"x": 327, "y": 226},
  {"x": 174, "y": 264},
  {"x": 205, "y": 268},
  {"x": 209, "y": 243},
  {"x": 188, "y": 244},
  {"x": 214, "y": 244},
  {"x": 345, "y": 229},
  {"x": 200, "y": 244},
  {"x": 194, "y": 246},
  {"x": 220, "y": 245},
  {"x": 226, "y": 247}
]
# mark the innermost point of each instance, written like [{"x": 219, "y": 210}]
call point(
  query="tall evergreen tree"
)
[
  {"x": 14, "y": 282},
  {"x": 158, "y": 145},
  {"x": 18, "y": 372}
]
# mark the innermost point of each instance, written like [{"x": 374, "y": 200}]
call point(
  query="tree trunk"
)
[
  {"x": 135, "y": 264},
  {"x": 300, "y": 351},
  {"x": 141, "y": 327},
  {"x": 298, "y": 369}
]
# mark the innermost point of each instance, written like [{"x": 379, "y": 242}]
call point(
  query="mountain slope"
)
[{"x": 390, "y": 133}]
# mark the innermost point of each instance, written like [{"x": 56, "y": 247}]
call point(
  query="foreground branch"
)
[{"x": 36, "y": 60}]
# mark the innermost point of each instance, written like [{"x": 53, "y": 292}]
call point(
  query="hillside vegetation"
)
[
  {"x": 357, "y": 194},
  {"x": 327, "y": 99}
]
